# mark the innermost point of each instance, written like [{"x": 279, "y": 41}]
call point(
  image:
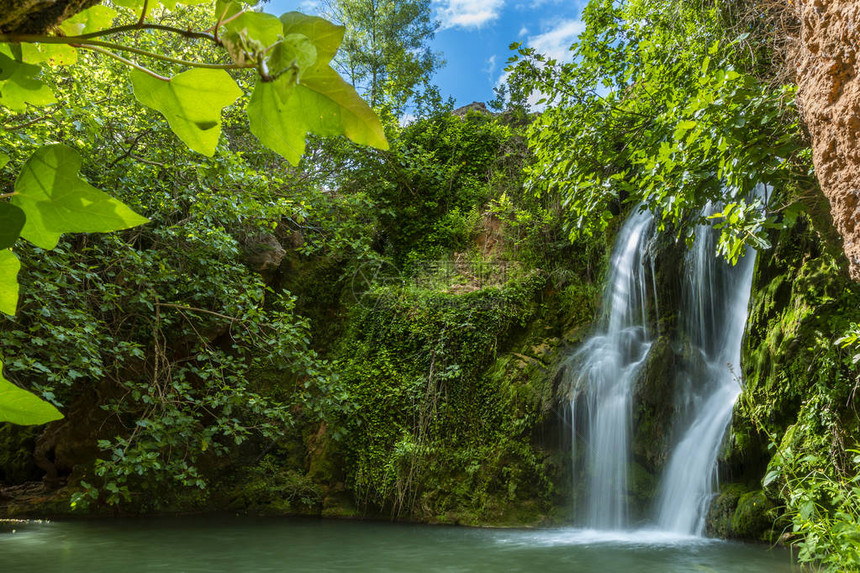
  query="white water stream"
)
[
  {"x": 712, "y": 320},
  {"x": 711, "y": 324},
  {"x": 607, "y": 367}
]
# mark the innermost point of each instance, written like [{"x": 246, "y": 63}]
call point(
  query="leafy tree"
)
[
  {"x": 385, "y": 53},
  {"x": 658, "y": 108},
  {"x": 162, "y": 344},
  {"x": 50, "y": 199}
]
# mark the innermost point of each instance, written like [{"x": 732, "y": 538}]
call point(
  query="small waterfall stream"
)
[
  {"x": 712, "y": 320},
  {"x": 606, "y": 368}
]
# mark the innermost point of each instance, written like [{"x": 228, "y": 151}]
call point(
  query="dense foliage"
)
[
  {"x": 376, "y": 331},
  {"x": 154, "y": 341},
  {"x": 662, "y": 108},
  {"x": 49, "y": 199}
]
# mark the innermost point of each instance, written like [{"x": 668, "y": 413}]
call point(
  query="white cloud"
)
[
  {"x": 491, "y": 66},
  {"x": 554, "y": 43},
  {"x": 469, "y": 13},
  {"x": 310, "y": 7},
  {"x": 523, "y": 31}
]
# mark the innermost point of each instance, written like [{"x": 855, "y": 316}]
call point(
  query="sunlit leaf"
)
[
  {"x": 288, "y": 60},
  {"x": 323, "y": 104},
  {"x": 333, "y": 107},
  {"x": 56, "y": 200},
  {"x": 225, "y": 10},
  {"x": 273, "y": 125},
  {"x": 18, "y": 83},
  {"x": 191, "y": 101},
  {"x": 11, "y": 222},
  {"x": 51, "y": 54},
  {"x": 325, "y": 36},
  {"x": 258, "y": 27},
  {"x": 92, "y": 19},
  {"x": 23, "y": 408},
  {"x": 9, "y": 267}
]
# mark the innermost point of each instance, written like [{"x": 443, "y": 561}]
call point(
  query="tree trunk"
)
[{"x": 37, "y": 16}]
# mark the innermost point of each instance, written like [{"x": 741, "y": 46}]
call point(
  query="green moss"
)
[
  {"x": 796, "y": 422},
  {"x": 722, "y": 510},
  {"x": 753, "y": 518}
]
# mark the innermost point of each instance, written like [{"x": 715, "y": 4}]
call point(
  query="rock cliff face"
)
[{"x": 829, "y": 81}]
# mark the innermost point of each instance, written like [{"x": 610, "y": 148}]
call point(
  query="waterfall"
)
[
  {"x": 606, "y": 369},
  {"x": 712, "y": 320}
]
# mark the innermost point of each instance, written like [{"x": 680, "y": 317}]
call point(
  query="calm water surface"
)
[{"x": 214, "y": 545}]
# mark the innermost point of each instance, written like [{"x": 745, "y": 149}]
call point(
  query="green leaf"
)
[
  {"x": 334, "y": 108},
  {"x": 295, "y": 52},
  {"x": 323, "y": 104},
  {"x": 51, "y": 54},
  {"x": 23, "y": 408},
  {"x": 4, "y": 159},
  {"x": 325, "y": 36},
  {"x": 191, "y": 101},
  {"x": 273, "y": 125},
  {"x": 57, "y": 201},
  {"x": 225, "y": 10},
  {"x": 12, "y": 220},
  {"x": 92, "y": 19},
  {"x": 771, "y": 476},
  {"x": 9, "y": 267},
  {"x": 259, "y": 27},
  {"x": 18, "y": 83}
]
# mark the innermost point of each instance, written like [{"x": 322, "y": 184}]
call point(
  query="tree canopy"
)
[{"x": 295, "y": 92}]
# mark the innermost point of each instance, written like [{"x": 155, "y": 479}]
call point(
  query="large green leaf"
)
[
  {"x": 9, "y": 267},
  {"x": 292, "y": 55},
  {"x": 325, "y": 36},
  {"x": 52, "y": 54},
  {"x": 11, "y": 222},
  {"x": 273, "y": 125},
  {"x": 323, "y": 104},
  {"x": 90, "y": 20},
  {"x": 191, "y": 101},
  {"x": 257, "y": 26},
  {"x": 57, "y": 201},
  {"x": 23, "y": 408},
  {"x": 18, "y": 83},
  {"x": 335, "y": 108}
]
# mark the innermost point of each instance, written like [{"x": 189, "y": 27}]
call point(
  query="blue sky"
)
[{"x": 475, "y": 34}]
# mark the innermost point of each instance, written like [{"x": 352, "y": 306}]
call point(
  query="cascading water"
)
[
  {"x": 607, "y": 366},
  {"x": 712, "y": 320},
  {"x": 711, "y": 323}
]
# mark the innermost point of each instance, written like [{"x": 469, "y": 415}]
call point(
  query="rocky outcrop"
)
[{"x": 829, "y": 81}]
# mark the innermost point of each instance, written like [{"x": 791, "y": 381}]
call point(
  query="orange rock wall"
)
[{"x": 829, "y": 81}]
